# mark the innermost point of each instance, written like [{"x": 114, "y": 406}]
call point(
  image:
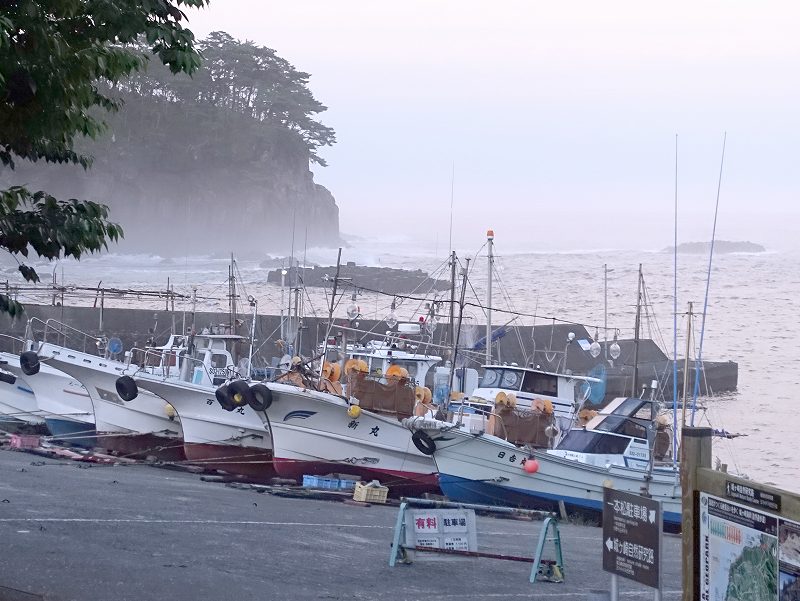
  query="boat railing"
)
[
  {"x": 11, "y": 344},
  {"x": 61, "y": 334},
  {"x": 165, "y": 363}
]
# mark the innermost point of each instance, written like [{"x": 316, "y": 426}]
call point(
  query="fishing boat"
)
[
  {"x": 236, "y": 441},
  {"x": 531, "y": 387},
  {"x": 358, "y": 432},
  {"x": 142, "y": 427},
  {"x": 18, "y": 406},
  {"x": 613, "y": 449},
  {"x": 63, "y": 402}
]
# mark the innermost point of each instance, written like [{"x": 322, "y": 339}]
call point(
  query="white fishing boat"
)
[
  {"x": 63, "y": 402},
  {"x": 613, "y": 449},
  {"x": 531, "y": 388},
  {"x": 145, "y": 424},
  {"x": 357, "y": 431},
  {"x": 236, "y": 441},
  {"x": 17, "y": 401}
]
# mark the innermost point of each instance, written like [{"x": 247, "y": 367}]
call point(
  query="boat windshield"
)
[
  {"x": 494, "y": 377},
  {"x": 620, "y": 424},
  {"x": 589, "y": 441},
  {"x": 630, "y": 406},
  {"x": 539, "y": 383}
]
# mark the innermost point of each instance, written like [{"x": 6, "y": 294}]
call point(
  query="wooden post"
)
[{"x": 695, "y": 453}]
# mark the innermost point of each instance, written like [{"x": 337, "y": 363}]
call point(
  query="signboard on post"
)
[
  {"x": 632, "y": 537},
  {"x": 449, "y": 529},
  {"x": 746, "y": 553}
]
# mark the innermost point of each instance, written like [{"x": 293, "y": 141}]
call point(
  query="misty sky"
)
[{"x": 560, "y": 118}]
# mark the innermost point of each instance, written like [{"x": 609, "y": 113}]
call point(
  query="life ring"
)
[
  {"x": 127, "y": 388},
  {"x": 223, "y": 396},
  {"x": 29, "y": 362},
  {"x": 423, "y": 442},
  {"x": 260, "y": 397},
  {"x": 240, "y": 393}
]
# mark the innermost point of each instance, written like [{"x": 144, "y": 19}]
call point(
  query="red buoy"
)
[{"x": 531, "y": 466}]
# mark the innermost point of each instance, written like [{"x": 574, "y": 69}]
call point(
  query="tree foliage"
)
[
  {"x": 57, "y": 60},
  {"x": 244, "y": 79}
]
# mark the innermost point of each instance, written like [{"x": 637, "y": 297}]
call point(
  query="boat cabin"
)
[
  {"x": 618, "y": 436},
  {"x": 528, "y": 384}
]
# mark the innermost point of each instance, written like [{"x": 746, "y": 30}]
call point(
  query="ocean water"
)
[{"x": 750, "y": 317}]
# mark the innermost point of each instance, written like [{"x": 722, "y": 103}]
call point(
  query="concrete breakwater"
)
[{"x": 545, "y": 346}]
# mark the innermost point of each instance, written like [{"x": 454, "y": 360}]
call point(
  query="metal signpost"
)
[{"x": 632, "y": 528}]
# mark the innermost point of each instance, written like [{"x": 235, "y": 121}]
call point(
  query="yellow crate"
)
[{"x": 370, "y": 494}]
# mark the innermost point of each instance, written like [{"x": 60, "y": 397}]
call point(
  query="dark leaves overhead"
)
[{"x": 57, "y": 58}]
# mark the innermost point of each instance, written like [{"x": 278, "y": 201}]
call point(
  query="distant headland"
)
[{"x": 720, "y": 246}]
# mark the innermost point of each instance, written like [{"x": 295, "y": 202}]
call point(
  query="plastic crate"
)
[
  {"x": 347, "y": 484},
  {"x": 24, "y": 441},
  {"x": 370, "y": 494},
  {"x": 320, "y": 482}
]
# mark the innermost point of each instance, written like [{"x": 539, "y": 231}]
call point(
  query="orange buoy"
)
[{"x": 531, "y": 465}]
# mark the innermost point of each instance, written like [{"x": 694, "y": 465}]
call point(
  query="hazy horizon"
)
[{"x": 558, "y": 121}]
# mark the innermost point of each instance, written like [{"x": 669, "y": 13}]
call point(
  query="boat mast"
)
[
  {"x": 490, "y": 246},
  {"x": 464, "y": 273},
  {"x": 686, "y": 365},
  {"x": 232, "y": 295},
  {"x": 330, "y": 312},
  {"x": 451, "y": 333},
  {"x": 636, "y": 332}
]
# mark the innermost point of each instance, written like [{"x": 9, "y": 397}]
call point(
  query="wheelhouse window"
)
[
  {"x": 623, "y": 425},
  {"x": 537, "y": 383},
  {"x": 587, "y": 441},
  {"x": 219, "y": 360},
  {"x": 508, "y": 379},
  {"x": 410, "y": 366}
]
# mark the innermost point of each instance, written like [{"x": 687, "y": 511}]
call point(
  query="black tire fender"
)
[
  {"x": 224, "y": 398},
  {"x": 424, "y": 443},
  {"x": 127, "y": 388},
  {"x": 260, "y": 397},
  {"x": 29, "y": 363},
  {"x": 239, "y": 392}
]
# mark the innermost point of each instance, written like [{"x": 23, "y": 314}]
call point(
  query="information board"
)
[
  {"x": 451, "y": 529},
  {"x": 632, "y": 537},
  {"x": 747, "y": 553}
]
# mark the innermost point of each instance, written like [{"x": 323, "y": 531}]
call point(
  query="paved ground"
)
[{"x": 140, "y": 533}]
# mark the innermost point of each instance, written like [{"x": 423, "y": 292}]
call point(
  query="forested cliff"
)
[{"x": 214, "y": 163}]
